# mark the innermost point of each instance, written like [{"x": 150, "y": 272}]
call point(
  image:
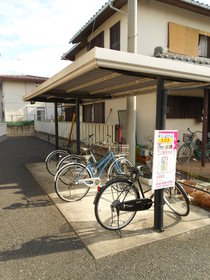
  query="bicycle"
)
[
  {"x": 117, "y": 202},
  {"x": 73, "y": 181},
  {"x": 192, "y": 147},
  {"x": 56, "y": 156}
]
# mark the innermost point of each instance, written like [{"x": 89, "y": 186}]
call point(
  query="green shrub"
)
[{"x": 20, "y": 123}]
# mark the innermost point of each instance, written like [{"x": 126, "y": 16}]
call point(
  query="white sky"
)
[{"x": 35, "y": 33}]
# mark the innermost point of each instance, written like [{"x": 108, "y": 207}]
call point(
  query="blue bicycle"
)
[{"x": 74, "y": 179}]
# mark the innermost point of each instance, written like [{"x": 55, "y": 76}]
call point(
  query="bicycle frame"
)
[{"x": 102, "y": 163}]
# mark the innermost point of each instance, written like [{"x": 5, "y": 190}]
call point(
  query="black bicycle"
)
[{"x": 117, "y": 202}]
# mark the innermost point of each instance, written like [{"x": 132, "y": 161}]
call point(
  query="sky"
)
[{"x": 34, "y": 34}]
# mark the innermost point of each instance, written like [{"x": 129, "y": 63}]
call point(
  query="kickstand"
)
[{"x": 119, "y": 230}]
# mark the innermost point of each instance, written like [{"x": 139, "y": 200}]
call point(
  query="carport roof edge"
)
[{"x": 122, "y": 62}]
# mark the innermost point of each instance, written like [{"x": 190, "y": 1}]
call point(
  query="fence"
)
[
  {"x": 3, "y": 131},
  {"x": 100, "y": 131}
]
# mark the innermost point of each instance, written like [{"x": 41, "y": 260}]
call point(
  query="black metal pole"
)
[
  {"x": 78, "y": 125},
  {"x": 56, "y": 126},
  {"x": 161, "y": 105},
  {"x": 205, "y": 126}
]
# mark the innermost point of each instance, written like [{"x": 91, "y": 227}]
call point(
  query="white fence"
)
[
  {"x": 3, "y": 131},
  {"x": 102, "y": 132}
]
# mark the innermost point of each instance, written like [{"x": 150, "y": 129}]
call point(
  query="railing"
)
[{"x": 100, "y": 131}]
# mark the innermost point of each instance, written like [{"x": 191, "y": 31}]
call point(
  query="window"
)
[
  {"x": 98, "y": 41},
  {"x": 183, "y": 39},
  {"x": 69, "y": 112},
  {"x": 94, "y": 113},
  {"x": 40, "y": 113},
  {"x": 115, "y": 36},
  {"x": 204, "y": 46},
  {"x": 188, "y": 41},
  {"x": 88, "y": 113},
  {"x": 182, "y": 107}
]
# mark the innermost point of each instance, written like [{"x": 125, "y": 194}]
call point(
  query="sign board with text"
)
[{"x": 164, "y": 159}]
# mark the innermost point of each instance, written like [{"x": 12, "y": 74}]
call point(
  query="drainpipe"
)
[{"x": 131, "y": 100}]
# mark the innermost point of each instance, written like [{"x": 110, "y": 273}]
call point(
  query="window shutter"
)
[{"x": 183, "y": 39}]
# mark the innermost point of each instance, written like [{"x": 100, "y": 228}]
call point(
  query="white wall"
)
[
  {"x": 3, "y": 129},
  {"x": 14, "y": 105},
  {"x": 153, "y": 18}
]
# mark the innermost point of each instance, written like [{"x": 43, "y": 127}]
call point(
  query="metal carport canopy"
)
[{"x": 104, "y": 73}]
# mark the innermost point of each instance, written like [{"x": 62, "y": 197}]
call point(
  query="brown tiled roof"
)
[{"x": 27, "y": 78}]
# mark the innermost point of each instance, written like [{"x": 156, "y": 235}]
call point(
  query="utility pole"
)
[{"x": 131, "y": 100}]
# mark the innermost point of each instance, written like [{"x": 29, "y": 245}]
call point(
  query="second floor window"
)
[
  {"x": 204, "y": 46},
  {"x": 115, "y": 37},
  {"x": 98, "y": 41},
  {"x": 188, "y": 41}
]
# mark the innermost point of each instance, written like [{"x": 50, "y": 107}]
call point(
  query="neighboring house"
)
[
  {"x": 12, "y": 105},
  {"x": 167, "y": 29}
]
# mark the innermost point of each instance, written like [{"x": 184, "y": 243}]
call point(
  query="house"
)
[
  {"x": 172, "y": 42},
  {"x": 12, "y": 105},
  {"x": 169, "y": 30}
]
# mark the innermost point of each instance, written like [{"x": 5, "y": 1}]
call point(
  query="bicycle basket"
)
[
  {"x": 120, "y": 149},
  {"x": 187, "y": 137}
]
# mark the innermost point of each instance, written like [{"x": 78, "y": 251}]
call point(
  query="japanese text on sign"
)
[{"x": 164, "y": 159}]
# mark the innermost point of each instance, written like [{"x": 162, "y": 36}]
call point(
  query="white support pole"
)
[{"x": 131, "y": 100}]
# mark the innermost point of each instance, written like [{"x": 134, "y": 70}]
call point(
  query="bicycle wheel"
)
[
  {"x": 69, "y": 159},
  {"x": 107, "y": 200},
  {"x": 53, "y": 159},
  {"x": 177, "y": 200},
  {"x": 184, "y": 153},
  {"x": 66, "y": 181},
  {"x": 119, "y": 167}
]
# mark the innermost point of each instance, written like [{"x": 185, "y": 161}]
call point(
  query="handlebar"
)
[{"x": 197, "y": 131}]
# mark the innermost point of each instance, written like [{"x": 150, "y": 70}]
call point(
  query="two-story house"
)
[
  {"x": 12, "y": 105},
  {"x": 173, "y": 38}
]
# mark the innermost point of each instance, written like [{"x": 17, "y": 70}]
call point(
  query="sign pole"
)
[{"x": 161, "y": 105}]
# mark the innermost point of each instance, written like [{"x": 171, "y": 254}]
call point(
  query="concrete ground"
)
[
  {"x": 39, "y": 242},
  {"x": 100, "y": 242}
]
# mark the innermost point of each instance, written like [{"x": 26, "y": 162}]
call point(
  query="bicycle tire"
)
[
  {"x": 53, "y": 159},
  {"x": 122, "y": 163},
  {"x": 69, "y": 159},
  {"x": 177, "y": 200},
  {"x": 184, "y": 153},
  {"x": 66, "y": 182},
  {"x": 113, "y": 192}
]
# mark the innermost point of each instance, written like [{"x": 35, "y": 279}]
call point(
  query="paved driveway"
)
[{"x": 36, "y": 242}]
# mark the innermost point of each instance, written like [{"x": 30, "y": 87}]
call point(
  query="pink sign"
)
[{"x": 164, "y": 159}]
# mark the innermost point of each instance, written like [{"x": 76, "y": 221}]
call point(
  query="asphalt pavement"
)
[{"x": 36, "y": 241}]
